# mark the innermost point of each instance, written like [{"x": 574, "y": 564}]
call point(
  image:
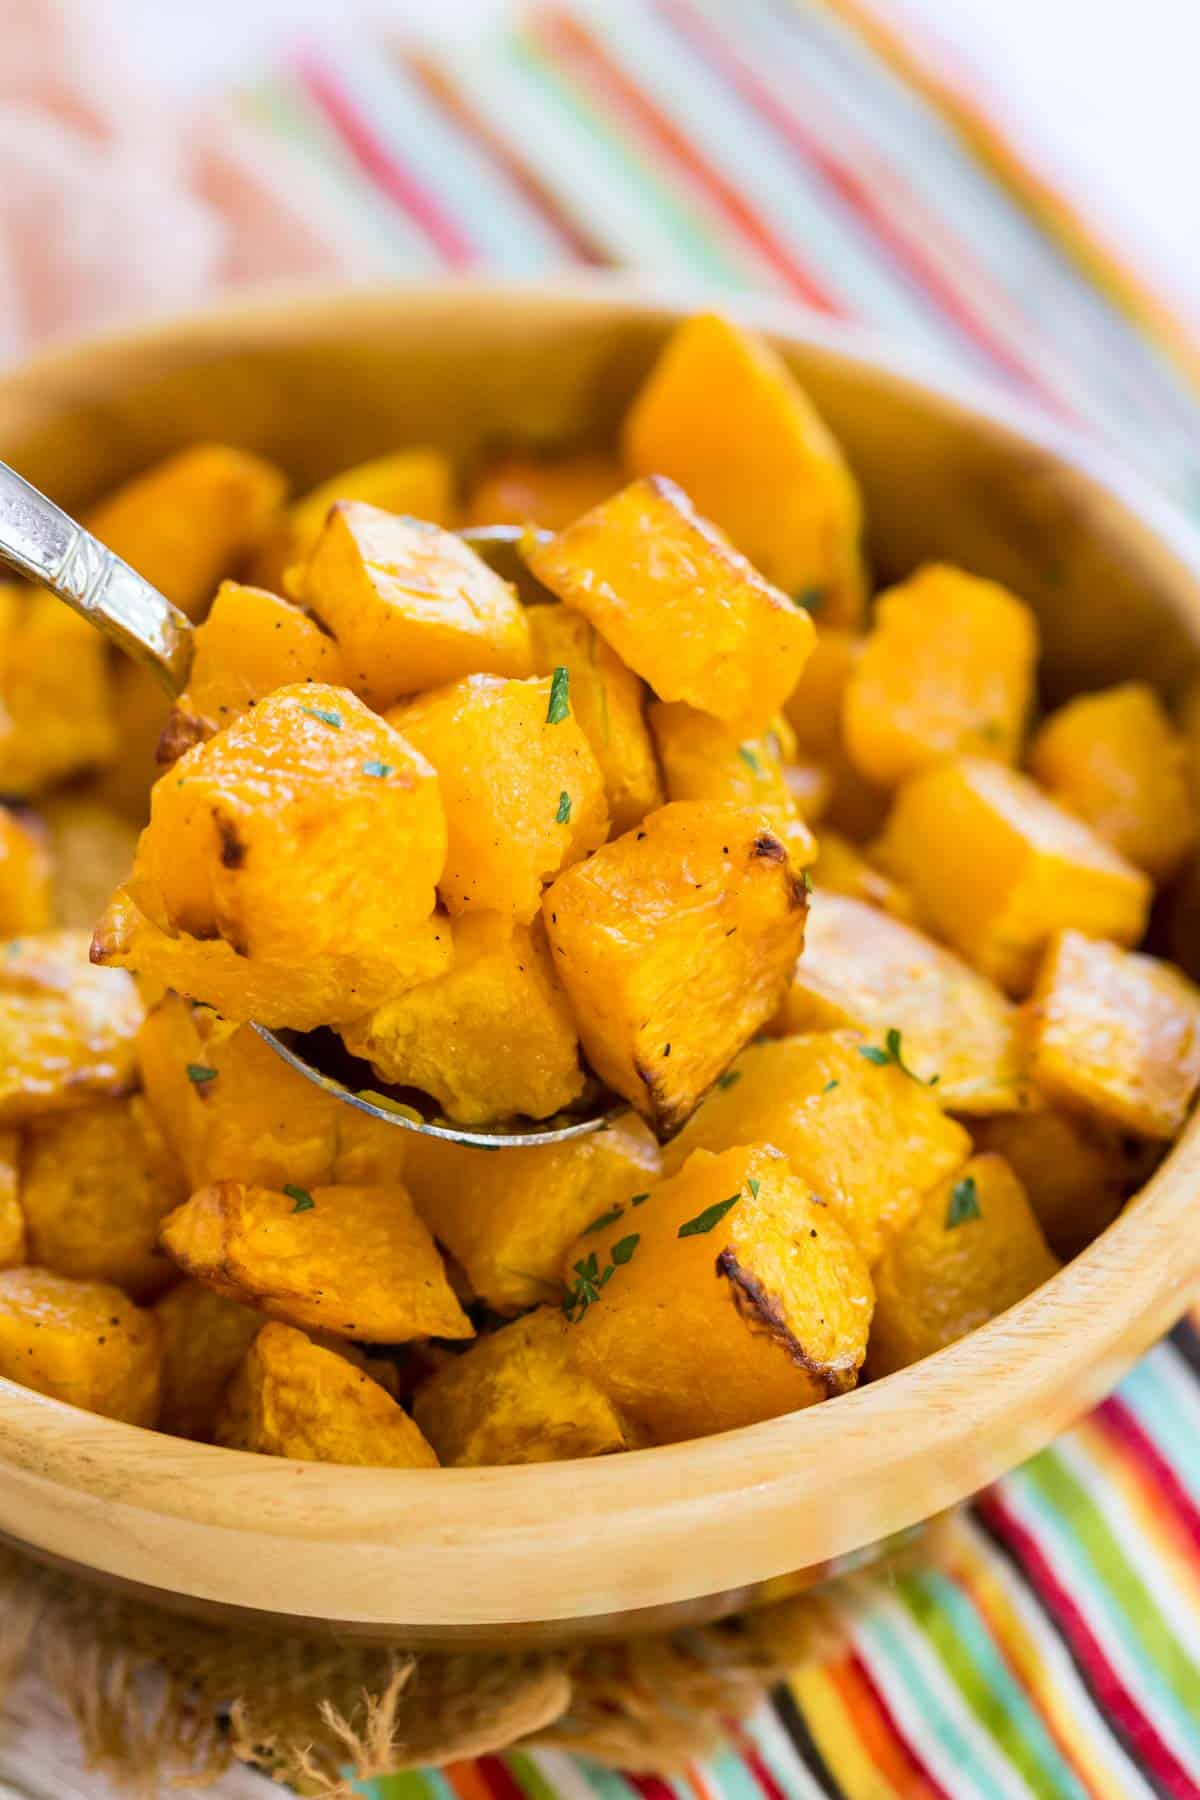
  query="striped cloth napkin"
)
[{"x": 797, "y": 147}]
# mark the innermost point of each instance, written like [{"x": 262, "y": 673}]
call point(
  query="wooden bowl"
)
[{"x": 574, "y": 1550}]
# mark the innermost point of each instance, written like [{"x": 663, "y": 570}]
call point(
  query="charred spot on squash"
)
[
  {"x": 763, "y": 1314},
  {"x": 768, "y": 847},
  {"x": 233, "y": 848},
  {"x": 182, "y": 731},
  {"x": 322, "y": 625}
]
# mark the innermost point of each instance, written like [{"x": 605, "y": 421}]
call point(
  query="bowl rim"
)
[{"x": 659, "y": 1526}]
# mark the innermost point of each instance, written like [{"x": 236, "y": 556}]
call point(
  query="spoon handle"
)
[{"x": 41, "y": 542}]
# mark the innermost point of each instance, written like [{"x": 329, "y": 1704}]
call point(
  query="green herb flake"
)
[
  {"x": 829, "y": 1087},
  {"x": 624, "y": 1249},
  {"x": 560, "y": 696},
  {"x": 753, "y": 1186},
  {"x": 748, "y": 757},
  {"x": 639, "y": 1200},
  {"x": 712, "y": 1215},
  {"x": 964, "y": 1203},
  {"x": 811, "y": 599},
  {"x": 729, "y": 1079},
  {"x": 380, "y": 770},
  {"x": 806, "y": 881},
  {"x": 200, "y": 1073},
  {"x": 893, "y": 1053},
  {"x": 326, "y": 717},
  {"x": 606, "y": 1218},
  {"x": 563, "y": 815},
  {"x": 302, "y": 1197}
]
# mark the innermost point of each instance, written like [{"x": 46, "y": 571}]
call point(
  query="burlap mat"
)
[{"x": 160, "y": 1700}]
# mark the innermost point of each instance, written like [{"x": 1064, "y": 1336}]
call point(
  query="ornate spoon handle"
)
[{"x": 41, "y": 542}]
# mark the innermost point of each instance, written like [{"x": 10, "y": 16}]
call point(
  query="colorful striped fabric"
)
[{"x": 799, "y": 147}]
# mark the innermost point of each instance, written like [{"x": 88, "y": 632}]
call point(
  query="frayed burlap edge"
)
[{"x": 164, "y": 1701}]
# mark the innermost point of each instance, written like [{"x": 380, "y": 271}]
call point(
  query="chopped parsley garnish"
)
[
  {"x": 753, "y": 1186},
  {"x": 639, "y": 1200},
  {"x": 712, "y": 1215},
  {"x": 829, "y": 1087},
  {"x": 380, "y": 769},
  {"x": 199, "y": 1073},
  {"x": 812, "y": 599},
  {"x": 964, "y": 1203},
  {"x": 560, "y": 706},
  {"x": 622, "y": 1251},
  {"x": 892, "y": 1053},
  {"x": 302, "y": 1197},
  {"x": 563, "y": 815},
  {"x": 806, "y": 881},
  {"x": 606, "y": 1218},
  {"x": 586, "y": 1288},
  {"x": 748, "y": 757},
  {"x": 326, "y": 717},
  {"x": 729, "y": 1079}
]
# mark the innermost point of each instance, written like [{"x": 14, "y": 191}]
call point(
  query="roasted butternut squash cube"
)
[
  {"x": 841, "y": 868},
  {"x": 417, "y": 482},
  {"x": 251, "y": 643},
  {"x": 24, "y": 874},
  {"x": 678, "y": 603},
  {"x": 306, "y": 836},
  {"x": 1116, "y": 1035},
  {"x": 276, "y": 994},
  {"x": 542, "y": 490},
  {"x": 192, "y": 519},
  {"x": 514, "y": 1397},
  {"x": 12, "y": 1216},
  {"x": 91, "y": 849},
  {"x": 491, "y": 1039},
  {"x": 996, "y": 868},
  {"x": 815, "y": 711},
  {"x": 57, "y": 712},
  {"x": 291, "y": 1397},
  {"x": 732, "y": 1265},
  {"x": 704, "y": 760},
  {"x": 865, "y": 1136},
  {"x": 675, "y": 943},
  {"x": 1115, "y": 760},
  {"x": 523, "y": 793},
  {"x": 353, "y": 1261},
  {"x": 608, "y": 702},
  {"x": 409, "y": 605},
  {"x": 1076, "y": 1174},
  {"x": 143, "y": 708},
  {"x": 509, "y": 1219},
  {"x": 946, "y": 671},
  {"x": 96, "y": 1185},
  {"x": 82, "y": 1342},
  {"x": 973, "y": 1250},
  {"x": 758, "y": 460},
  {"x": 873, "y": 974},
  {"x": 67, "y": 1031},
  {"x": 204, "y": 1338},
  {"x": 231, "y": 1109}
]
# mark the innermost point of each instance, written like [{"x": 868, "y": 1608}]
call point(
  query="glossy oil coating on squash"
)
[
  {"x": 83, "y": 1342},
  {"x": 517, "y": 1397},
  {"x": 973, "y": 1250},
  {"x": 761, "y": 463},
  {"x": 205, "y": 1335},
  {"x": 353, "y": 1261},
  {"x": 997, "y": 868},
  {"x": 417, "y": 482},
  {"x": 1116, "y": 1035},
  {"x": 866, "y": 1136},
  {"x": 291, "y": 1397},
  {"x": 677, "y": 603},
  {"x": 67, "y": 1030},
  {"x": 742, "y": 1297},
  {"x": 675, "y": 943},
  {"x": 491, "y": 1039},
  {"x": 410, "y": 606}
]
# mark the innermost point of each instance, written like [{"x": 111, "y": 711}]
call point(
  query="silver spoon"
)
[{"x": 41, "y": 542}]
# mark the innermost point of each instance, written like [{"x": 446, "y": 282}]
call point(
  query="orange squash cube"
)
[
  {"x": 67, "y": 1031},
  {"x": 675, "y": 943},
  {"x": 491, "y": 1039},
  {"x": 143, "y": 707},
  {"x": 514, "y": 1397},
  {"x": 509, "y": 1218},
  {"x": 291, "y": 1397},
  {"x": 192, "y": 519},
  {"x": 996, "y": 868},
  {"x": 24, "y": 874},
  {"x": 1116, "y": 1035},
  {"x": 704, "y": 760},
  {"x": 524, "y": 796},
  {"x": 417, "y": 482},
  {"x": 815, "y": 711},
  {"x": 678, "y": 604},
  {"x": 947, "y": 671},
  {"x": 973, "y": 1250},
  {"x": 1076, "y": 1173},
  {"x": 204, "y": 1338},
  {"x": 83, "y": 1342},
  {"x": 785, "y": 1319},
  {"x": 410, "y": 606},
  {"x": 758, "y": 460},
  {"x": 57, "y": 707},
  {"x": 353, "y": 1261},
  {"x": 867, "y": 1138},
  {"x": 841, "y": 868},
  {"x": 1115, "y": 760},
  {"x": 539, "y": 490},
  {"x": 609, "y": 704},
  {"x": 863, "y": 970}
]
